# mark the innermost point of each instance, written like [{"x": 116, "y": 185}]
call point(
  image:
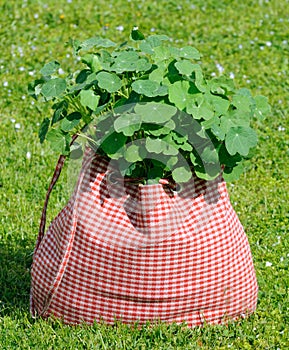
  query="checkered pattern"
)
[{"x": 139, "y": 253}]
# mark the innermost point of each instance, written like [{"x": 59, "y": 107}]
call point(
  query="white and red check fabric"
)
[{"x": 143, "y": 253}]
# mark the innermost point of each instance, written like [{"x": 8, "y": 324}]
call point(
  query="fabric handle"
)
[{"x": 55, "y": 177}]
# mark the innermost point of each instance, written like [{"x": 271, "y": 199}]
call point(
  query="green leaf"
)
[
  {"x": 220, "y": 104},
  {"x": 71, "y": 121},
  {"x": 43, "y": 129},
  {"x": 209, "y": 155},
  {"x": 152, "y": 112},
  {"x": 221, "y": 85},
  {"x": 142, "y": 65},
  {"x": 53, "y": 88},
  {"x": 243, "y": 102},
  {"x": 34, "y": 88},
  {"x": 185, "y": 67},
  {"x": 59, "y": 141},
  {"x": 262, "y": 107},
  {"x": 181, "y": 174},
  {"x": 89, "y": 99},
  {"x": 232, "y": 174},
  {"x": 137, "y": 35},
  {"x": 207, "y": 171},
  {"x": 149, "y": 88},
  {"x": 158, "y": 73},
  {"x": 157, "y": 130},
  {"x": 113, "y": 143},
  {"x": 109, "y": 81},
  {"x": 60, "y": 111},
  {"x": 50, "y": 68},
  {"x": 200, "y": 107},
  {"x": 240, "y": 139},
  {"x": 96, "y": 42},
  {"x": 178, "y": 94},
  {"x": 154, "y": 145},
  {"x": 227, "y": 159},
  {"x": 218, "y": 131},
  {"x": 234, "y": 119},
  {"x": 128, "y": 123},
  {"x": 134, "y": 153},
  {"x": 161, "y": 53},
  {"x": 125, "y": 61},
  {"x": 189, "y": 52}
]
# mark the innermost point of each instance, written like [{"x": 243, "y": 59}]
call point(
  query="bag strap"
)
[{"x": 55, "y": 177}]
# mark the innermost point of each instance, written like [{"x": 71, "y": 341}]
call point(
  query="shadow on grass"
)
[{"x": 15, "y": 263}]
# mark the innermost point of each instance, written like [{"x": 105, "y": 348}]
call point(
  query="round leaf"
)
[
  {"x": 185, "y": 67},
  {"x": 53, "y": 88},
  {"x": 89, "y": 99},
  {"x": 71, "y": 121},
  {"x": 179, "y": 94},
  {"x": 152, "y": 112},
  {"x": 189, "y": 52},
  {"x": 132, "y": 154},
  {"x": 125, "y": 62},
  {"x": 181, "y": 174},
  {"x": 109, "y": 81},
  {"x": 149, "y": 88},
  {"x": 50, "y": 68},
  {"x": 240, "y": 139},
  {"x": 128, "y": 123},
  {"x": 113, "y": 143},
  {"x": 59, "y": 141}
]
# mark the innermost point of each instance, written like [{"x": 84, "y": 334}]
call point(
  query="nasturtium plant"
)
[{"x": 149, "y": 106}]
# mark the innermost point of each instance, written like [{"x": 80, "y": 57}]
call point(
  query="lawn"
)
[{"x": 247, "y": 40}]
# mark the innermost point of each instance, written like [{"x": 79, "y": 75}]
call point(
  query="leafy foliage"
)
[{"x": 151, "y": 91}]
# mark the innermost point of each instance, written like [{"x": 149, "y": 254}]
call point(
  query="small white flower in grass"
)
[
  {"x": 232, "y": 75},
  {"x": 281, "y": 128},
  {"x": 5, "y": 83},
  {"x": 268, "y": 264},
  {"x": 12, "y": 120},
  {"x": 32, "y": 102},
  {"x": 28, "y": 155},
  {"x": 67, "y": 55},
  {"x": 153, "y": 29},
  {"x": 22, "y": 69},
  {"x": 17, "y": 126},
  {"x": 135, "y": 28},
  {"x": 261, "y": 48},
  {"x": 23, "y": 97},
  {"x": 281, "y": 259},
  {"x": 268, "y": 43},
  {"x": 31, "y": 72},
  {"x": 213, "y": 74},
  {"x": 60, "y": 71},
  {"x": 36, "y": 15},
  {"x": 240, "y": 46},
  {"x": 120, "y": 28},
  {"x": 220, "y": 68},
  {"x": 284, "y": 42}
]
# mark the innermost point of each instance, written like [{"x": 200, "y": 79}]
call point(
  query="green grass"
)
[{"x": 249, "y": 40}]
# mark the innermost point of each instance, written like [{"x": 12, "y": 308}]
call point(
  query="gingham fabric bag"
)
[{"x": 142, "y": 253}]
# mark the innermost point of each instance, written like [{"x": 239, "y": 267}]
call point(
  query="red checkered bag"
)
[{"x": 119, "y": 250}]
